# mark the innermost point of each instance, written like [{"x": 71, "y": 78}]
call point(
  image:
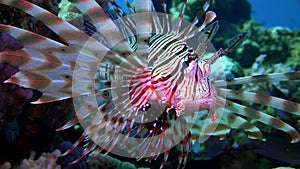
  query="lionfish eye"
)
[{"x": 191, "y": 55}]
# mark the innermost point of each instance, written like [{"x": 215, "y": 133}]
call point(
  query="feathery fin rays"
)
[{"x": 64, "y": 30}]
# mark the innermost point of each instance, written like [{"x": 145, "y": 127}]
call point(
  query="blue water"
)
[{"x": 277, "y": 12}]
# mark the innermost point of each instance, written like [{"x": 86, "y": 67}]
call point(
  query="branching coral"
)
[{"x": 45, "y": 161}]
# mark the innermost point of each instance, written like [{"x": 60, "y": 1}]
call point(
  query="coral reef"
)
[
  {"x": 227, "y": 67},
  {"x": 69, "y": 13},
  {"x": 5, "y": 165},
  {"x": 277, "y": 43},
  {"x": 108, "y": 162},
  {"x": 287, "y": 90},
  {"x": 45, "y": 161},
  {"x": 233, "y": 11}
]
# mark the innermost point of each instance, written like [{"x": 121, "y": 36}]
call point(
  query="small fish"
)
[{"x": 145, "y": 78}]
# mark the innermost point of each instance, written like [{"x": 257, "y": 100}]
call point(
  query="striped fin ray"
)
[
  {"x": 209, "y": 17},
  {"x": 184, "y": 148},
  {"x": 40, "y": 49},
  {"x": 166, "y": 21},
  {"x": 104, "y": 25},
  {"x": 262, "y": 117},
  {"x": 93, "y": 119},
  {"x": 127, "y": 25},
  {"x": 207, "y": 29},
  {"x": 143, "y": 23},
  {"x": 62, "y": 28},
  {"x": 41, "y": 59},
  {"x": 41, "y": 62},
  {"x": 29, "y": 39},
  {"x": 89, "y": 148},
  {"x": 177, "y": 26},
  {"x": 226, "y": 120},
  {"x": 198, "y": 17},
  {"x": 259, "y": 78},
  {"x": 275, "y": 102}
]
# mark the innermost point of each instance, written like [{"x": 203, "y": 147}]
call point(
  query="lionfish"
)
[{"x": 145, "y": 77}]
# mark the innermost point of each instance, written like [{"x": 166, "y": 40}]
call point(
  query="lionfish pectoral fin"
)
[
  {"x": 234, "y": 121},
  {"x": 264, "y": 118},
  {"x": 274, "y": 102},
  {"x": 41, "y": 58},
  {"x": 260, "y": 78}
]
